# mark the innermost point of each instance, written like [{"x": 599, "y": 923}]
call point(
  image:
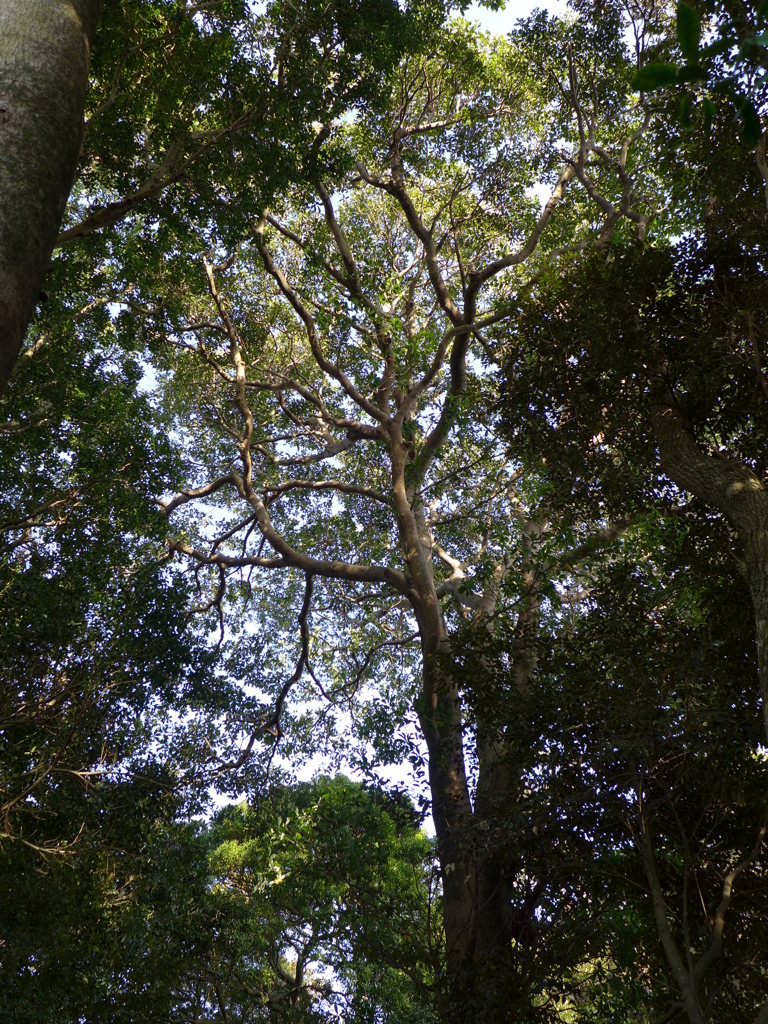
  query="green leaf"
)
[
  {"x": 688, "y": 30},
  {"x": 655, "y": 76},
  {"x": 708, "y": 107}
]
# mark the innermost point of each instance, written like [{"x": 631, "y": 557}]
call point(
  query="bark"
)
[
  {"x": 44, "y": 52},
  {"x": 440, "y": 717},
  {"x": 451, "y": 808},
  {"x": 735, "y": 490},
  {"x": 478, "y": 909},
  {"x": 469, "y": 916},
  {"x": 477, "y": 906}
]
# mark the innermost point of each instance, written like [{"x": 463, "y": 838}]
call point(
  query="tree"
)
[
  {"x": 263, "y": 397},
  {"x": 326, "y": 906},
  {"x": 68, "y": 921},
  {"x": 640, "y": 370},
  {"x": 44, "y": 70},
  {"x": 660, "y": 746},
  {"x": 316, "y": 902},
  {"x": 106, "y": 698},
  {"x": 338, "y": 371},
  {"x": 729, "y": 63},
  {"x": 685, "y": 349},
  {"x": 94, "y": 635},
  {"x": 94, "y": 619}
]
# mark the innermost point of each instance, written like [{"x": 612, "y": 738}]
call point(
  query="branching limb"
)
[
  {"x": 396, "y": 187},
  {"x": 715, "y": 950},
  {"x": 215, "y": 602},
  {"x": 328, "y": 367},
  {"x": 685, "y": 983},
  {"x": 171, "y": 169},
  {"x": 271, "y": 493},
  {"x": 197, "y": 492},
  {"x": 594, "y": 542},
  {"x": 479, "y": 278},
  {"x": 272, "y": 724}
]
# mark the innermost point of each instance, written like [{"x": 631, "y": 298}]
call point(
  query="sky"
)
[{"x": 502, "y": 22}]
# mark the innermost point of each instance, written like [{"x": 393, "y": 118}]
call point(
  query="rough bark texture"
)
[
  {"x": 44, "y": 52},
  {"x": 476, "y": 897}
]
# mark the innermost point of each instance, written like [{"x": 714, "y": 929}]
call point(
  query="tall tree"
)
[
  {"x": 364, "y": 399},
  {"x": 641, "y": 370},
  {"x": 284, "y": 286}
]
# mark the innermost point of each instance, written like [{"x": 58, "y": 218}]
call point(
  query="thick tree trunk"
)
[
  {"x": 476, "y": 905},
  {"x": 475, "y": 896},
  {"x": 442, "y": 727},
  {"x": 44, "y": 51},
  {"x": 482, "y": 927}
]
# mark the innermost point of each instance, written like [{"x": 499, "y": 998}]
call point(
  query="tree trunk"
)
[
  {"x": 440, "y": 717},
  {"x": 44, "y": 52},
  {"x": 476, "y": 909}
]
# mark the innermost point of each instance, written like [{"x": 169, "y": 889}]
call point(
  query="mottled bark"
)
[{"x": 44, "y": 52}]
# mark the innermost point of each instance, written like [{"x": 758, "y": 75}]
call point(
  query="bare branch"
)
[
  {"x": 272, "y": 724},
  {"x": 196, "y": 492},
  {"x": 715, "y": 950},
  {"x": 323, "y": 485},
  {"x": 331, "y": 369}
]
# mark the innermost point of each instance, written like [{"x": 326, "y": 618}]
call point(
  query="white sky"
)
[{"x": 502, "y": 22}]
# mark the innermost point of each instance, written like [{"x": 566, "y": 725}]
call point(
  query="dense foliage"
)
[{"x": 395, "y": 409}]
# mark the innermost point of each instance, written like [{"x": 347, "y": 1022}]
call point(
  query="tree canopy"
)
[{"x": 394, "y": 414}]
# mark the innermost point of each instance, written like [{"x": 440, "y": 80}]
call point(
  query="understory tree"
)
[
  {"x": 327, "y": 906},
  {"x": 640, "y": 377},
  {"x": 319, "y": 902},
  {"x": 644, "y": 806}
]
